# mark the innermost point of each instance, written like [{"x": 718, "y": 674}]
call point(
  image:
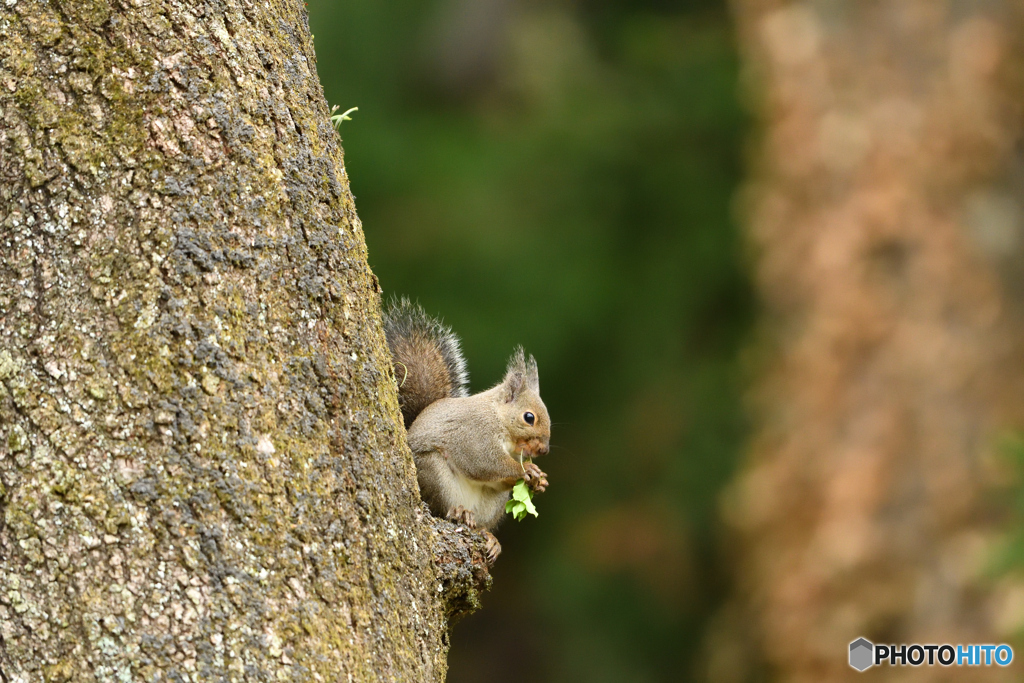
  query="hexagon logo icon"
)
[{"x": 862, "y": 653}]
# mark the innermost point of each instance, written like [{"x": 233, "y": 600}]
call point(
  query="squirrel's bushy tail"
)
[{"x": 428, "y": 361}]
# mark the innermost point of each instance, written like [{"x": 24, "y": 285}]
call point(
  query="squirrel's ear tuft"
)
[
  {"x": 520, "y": 375},
  {"x": 532, "y": 378}
]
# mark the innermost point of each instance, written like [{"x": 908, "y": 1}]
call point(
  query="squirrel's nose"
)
[{"x": 542, "y": 449}]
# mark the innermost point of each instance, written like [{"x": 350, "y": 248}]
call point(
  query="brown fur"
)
[
  {"x": 456, "y": 440},
  {"x": 427, "y": 360},
  {"x": 428, "y": 382},
  {"x": 469, "y": 450}
]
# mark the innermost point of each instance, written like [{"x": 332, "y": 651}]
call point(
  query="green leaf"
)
[
  {"x": 517, "y": 508},
  {"x": 530, "y": 508},
  {"x": 521, "y": 502}
]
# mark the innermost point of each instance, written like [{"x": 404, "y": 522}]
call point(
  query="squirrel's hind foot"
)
[
  {"x": 493, "y": 547},
  {"x": 461, "y": 515}
]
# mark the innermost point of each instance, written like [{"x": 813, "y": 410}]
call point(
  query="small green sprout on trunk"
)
[{"x": 336, "y": 119}]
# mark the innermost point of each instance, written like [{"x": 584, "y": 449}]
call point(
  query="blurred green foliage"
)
[
  {"x": 559, "y": 175},
  {"x": 1008, "y": 504}
]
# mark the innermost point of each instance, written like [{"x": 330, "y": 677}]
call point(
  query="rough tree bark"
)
[
  {"x": 886, "y": 213},
  {"x": 203, "y": 473}
]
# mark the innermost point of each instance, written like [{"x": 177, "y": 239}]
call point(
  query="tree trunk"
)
[
  {"x": 203, "y": 473},
  {"x": 886, "y": 215}
]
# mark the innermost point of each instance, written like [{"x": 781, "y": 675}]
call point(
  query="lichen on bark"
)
[{"x": 203, "y": 475}]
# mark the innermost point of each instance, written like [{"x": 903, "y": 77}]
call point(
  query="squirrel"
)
[{"x": 469, "y": 449}]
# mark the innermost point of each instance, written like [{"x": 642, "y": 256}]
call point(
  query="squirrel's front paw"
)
[
  {"x": 534, "y": 478},
  {"x": 461, "y": 515},
  {"x": 493, "y": 547}
]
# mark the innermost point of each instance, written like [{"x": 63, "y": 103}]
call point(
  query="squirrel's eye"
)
[{"x": 529, "y": 418}]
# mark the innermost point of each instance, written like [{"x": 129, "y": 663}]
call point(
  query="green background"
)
[{"x": 561, "y": 175}]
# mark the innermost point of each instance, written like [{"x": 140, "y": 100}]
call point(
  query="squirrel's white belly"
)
[{"x": 478, "y": 496}]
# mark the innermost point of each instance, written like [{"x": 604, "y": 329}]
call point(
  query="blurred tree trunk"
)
[
  {"x": 885, "y": 211},
  {"x": 203, "y": 473}
]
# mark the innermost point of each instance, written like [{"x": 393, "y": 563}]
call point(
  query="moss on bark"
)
[{"x": 203, "y": 474}]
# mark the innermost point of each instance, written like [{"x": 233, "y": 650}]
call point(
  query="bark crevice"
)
[{"x": 205, "y": 472}]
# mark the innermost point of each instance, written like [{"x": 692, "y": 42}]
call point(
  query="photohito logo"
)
[
  {"x": 861, "y": 654},
  {"x": 865, "y": 654}
]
